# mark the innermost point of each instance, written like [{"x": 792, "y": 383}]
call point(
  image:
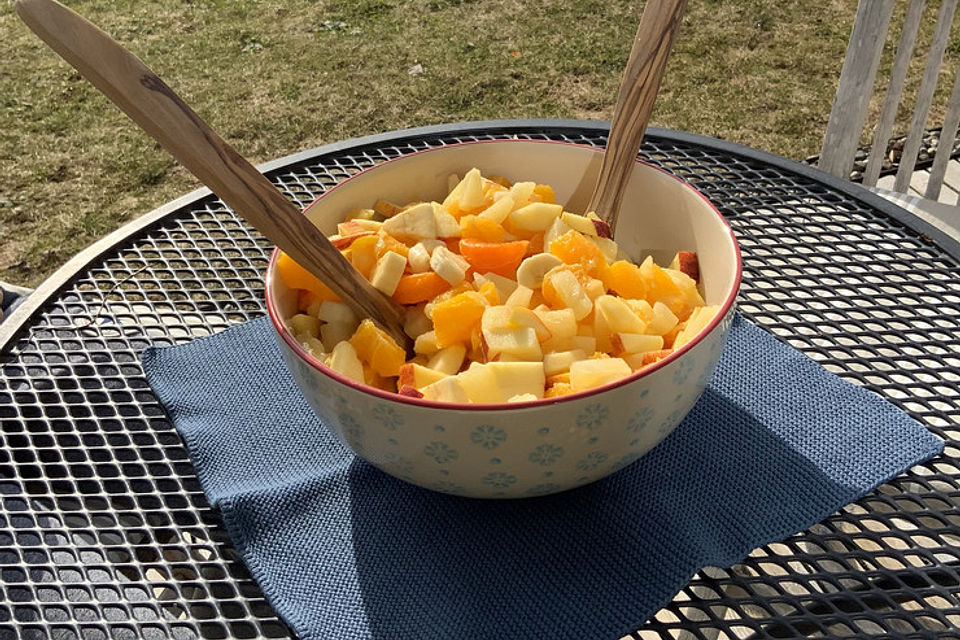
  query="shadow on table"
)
[{"x": 593, "y": 562}]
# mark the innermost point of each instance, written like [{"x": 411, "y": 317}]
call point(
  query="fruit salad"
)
[{"x": 508, "y": 298}]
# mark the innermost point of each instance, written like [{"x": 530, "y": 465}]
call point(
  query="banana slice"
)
[{"x": 531, "y": 271}]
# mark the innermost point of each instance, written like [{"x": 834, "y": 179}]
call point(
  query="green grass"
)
[{"x": 278, "y": 77}]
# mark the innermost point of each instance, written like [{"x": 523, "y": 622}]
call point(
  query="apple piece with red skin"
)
[
  {"x": 687, "y": 262},
  {"x": 603, "y": 229},
  {"x": 410, "y": 392},
  {"x": 343, "y": 242},
  {"x": 418, "y": 376}
]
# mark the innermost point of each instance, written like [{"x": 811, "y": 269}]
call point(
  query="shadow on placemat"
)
[{"x": 610, "y": 551}]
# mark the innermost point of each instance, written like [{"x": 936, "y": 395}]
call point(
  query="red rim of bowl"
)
[{"x": 452, "y": 406}]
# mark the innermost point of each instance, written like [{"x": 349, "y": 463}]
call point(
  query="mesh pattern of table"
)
[{"x": 105, "y": 533}]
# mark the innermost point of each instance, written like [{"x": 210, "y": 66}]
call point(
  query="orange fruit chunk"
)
[
  {"x": 419, "y": 287},
  {"x": 476, "y": 228},
  {"x": 489, "y": 291},
  {"x": 501, "y": 258},
  {"x": 574, "y": 248},
  {"x": 550, "y": 294},
  {"x": 455, "y": 319},
  {"x": 543, "y": 193},
  {"x": 363, "y": 254},
  {"x": 623, "y": 278},
  {"x": 661, "y": 287},
  {"x": 375, "y": 347},
  {"x": 296, "y": 277},
  {"x": 386, "y": 242}
]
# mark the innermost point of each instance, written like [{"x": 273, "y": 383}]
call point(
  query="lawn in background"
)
[{"x": 275, "y": 77}]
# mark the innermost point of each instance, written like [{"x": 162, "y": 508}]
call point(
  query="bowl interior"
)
[{"x": 661, "y": 214}]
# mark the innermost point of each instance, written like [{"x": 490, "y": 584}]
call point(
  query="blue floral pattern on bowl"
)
[
  {"x": 388, "y": 417},
  {"x": 441, "y": 452},
  {"x": 488, "y": 436},
  {"x": 593, "y": 416},
  {"x": 545, "y": 455}
]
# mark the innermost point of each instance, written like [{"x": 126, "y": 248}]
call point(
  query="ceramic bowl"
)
[{"x": 543, "y": 446}]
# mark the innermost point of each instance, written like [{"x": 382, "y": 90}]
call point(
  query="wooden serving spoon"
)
[
  {"x": 638, "y": 90},
  {"x": 150, "y": 103}
]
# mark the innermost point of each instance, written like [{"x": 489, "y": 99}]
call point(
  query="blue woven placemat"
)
[{"x": 343, "y": 551}]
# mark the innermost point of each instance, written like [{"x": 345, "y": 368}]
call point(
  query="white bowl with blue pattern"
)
[{"x": 543, "y": 446}]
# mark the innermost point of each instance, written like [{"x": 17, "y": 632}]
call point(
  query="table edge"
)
[{"x": 12, "y": 325}]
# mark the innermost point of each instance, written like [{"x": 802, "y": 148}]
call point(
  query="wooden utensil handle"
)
[
  {"x": 638, "y": 91},
  {"x": 149, "y": 102}
]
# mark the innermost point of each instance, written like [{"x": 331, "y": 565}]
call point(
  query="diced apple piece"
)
[
  {"x": 448, "y": 389},
  {"x": 602, "y": 331},
  {"x": 343, "y": 242},
  {"x": 333, "y": 333},
  {"x": 495, "y": 317},
  {"x": 561, "y": 324},
  {"x": 301, "y": 323},
  {"x": 386, "y": 275},
  {"x": 608, "y": 248},
  {"x": 313, "y": 346},
  {"x": 331, "y": 311},
  {"x": 587, "y": 344},
  {"x": 536, "y": 216},
  {"x": 354, "y": 227},
  {"x": 480, "y": 384},
  {"x": 589, "y": 374},
  {"x": 516, "y": 378},
  {"x": 595, "y": 289},
  {"x": 531, "y": 271},
  {"x": 448, "y": 265},
  {"x": 571, "y": 293},
  {"x": 520, "y": 342},
  {"x": 418, "y": 376},
  {"x": 344, "y": 361},
  {"x": 413, "y": 224},
  {"x": 468, "y": 194},
  {"x": 697, "y": 321},
  {"x": 504, "y": 286},
  {"x": 556, "y": 230},
  {"x": 521, "y": 192},
  {"x": 642, "y": 308},
  {"x": 363, "y": 215},
  {"x": 522, "y": 397},
  {"x": 386, "y": 209},
  {"x": 410, "y": 392},
  {"x": 619, "y": 317},
  {"x": 448, "y": 360},
  {"x": 560, "y": 361},
  {"x": 602, "y": 228},
  {"x": 663, "y": 320},
  {"x": 446, "y": 225},
  {"x": 687, "y": 262},
  {"x": 499, "y": 210},
  {"x": 579, "y": 223},
  {"x": 523, "y": 317},
  {"x": 520, "y": 297},
  {"x": 635, "y": 343},
  {"x": 426, "y": 344}
]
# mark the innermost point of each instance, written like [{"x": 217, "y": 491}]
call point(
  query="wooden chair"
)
[{"x": 855, "y": 89}]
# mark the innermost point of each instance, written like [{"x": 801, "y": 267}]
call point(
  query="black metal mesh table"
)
[{"x": 105, "y": 533}]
